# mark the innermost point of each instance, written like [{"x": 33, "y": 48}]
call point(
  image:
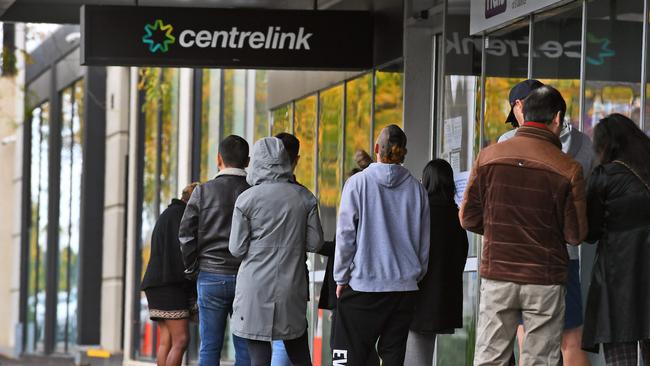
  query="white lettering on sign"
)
[
  {"x": 494, "y": 4},
  {"x": 339, "y": 357},
  {"x": 273, "y": 39}
]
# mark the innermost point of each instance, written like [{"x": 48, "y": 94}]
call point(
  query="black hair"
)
[
  {"x": 234, "y": 151},
  {"x": 291, "y": 144},
  {"x": 438, "y": 179},
  {"x": 617, "y": 137},
  {"x": 543, "y": 104}
]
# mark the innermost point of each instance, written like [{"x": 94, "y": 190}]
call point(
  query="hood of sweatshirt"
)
[
  {"x": 388, "y": 175},
  {"x": 269, "y": 163}
]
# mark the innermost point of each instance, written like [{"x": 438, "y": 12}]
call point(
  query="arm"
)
[
  {"x": 425, "y": 235},
  {"x": 240, "y": 232},
  {"x": 188, "y": 232},
  {"x": 595, "y": 208},
  {"x": 575, "y": 210},
  {"x": 328, "y": 248},
  {"x": 471, "y": 210},
  {"x": 314, "y": 230},
  {"x": 346, "y": 235}
]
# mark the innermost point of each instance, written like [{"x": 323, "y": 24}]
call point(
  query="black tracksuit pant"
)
[{"x": 366, "y": 319}]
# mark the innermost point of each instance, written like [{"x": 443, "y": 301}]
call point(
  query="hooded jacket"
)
[
  {"x": 383, "y": 229},
  {"x": 274, "y": 223}
]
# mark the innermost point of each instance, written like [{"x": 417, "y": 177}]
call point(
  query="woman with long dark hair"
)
[
  {"x": 439, "y": 303},
  {"x": 618, "y": 208}
]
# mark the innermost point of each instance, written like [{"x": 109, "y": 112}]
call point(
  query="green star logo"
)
[
  {"x": 158, "y": 27},
  {"x": 604, "y": 51}
]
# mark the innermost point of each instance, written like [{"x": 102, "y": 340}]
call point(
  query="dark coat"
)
[
  {"x": 166, "y": 263},
  {"x": 618, "y": 303},
  {"x": 327, "y": 298},
  {"x": 439, "y": 304}
]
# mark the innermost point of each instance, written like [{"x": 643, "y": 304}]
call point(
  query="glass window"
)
[
  {"x": 305, "y": 131},
  {"x": 35, "y": 334},
  {"x": 261, "y": 114},
  {"x": 210, "y": 117},
  {"x": 329, "y": 156},
  {"x": 69, "y": 215},
  {"x": 506, "y": 65},
  {"x": 282, "y": 119},
  {"x": 613, "y": 64},
  {"x": 389, "y": 102},
  {"x": 358, "y": 115},
  {"x": 159, "y": 180},
  {"x": 234, "y": 102},
  {"x": 555, "y": 31}
]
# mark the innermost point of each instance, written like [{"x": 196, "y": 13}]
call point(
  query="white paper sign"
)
[
  {"x": 461, "y": 183},
  {"x": 453, "y": 133}
]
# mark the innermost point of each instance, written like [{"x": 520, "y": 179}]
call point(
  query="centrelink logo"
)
[
  {"x": 494, "y": 7},
  {"x": 273, "y": 38}
]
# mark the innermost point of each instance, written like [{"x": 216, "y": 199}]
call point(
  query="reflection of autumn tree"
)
[
  {"x": 261, "y": 116},
  {"x": 570, "y": 90},
  {"x": 304, "y": 129},
  {"x": 358, "y": 118},
  {"x": 497, "y": 107},
  {"x": 388, "y": 99},
  {"x": 329, "y": 142},
  {"x": 282, "y": 119}
]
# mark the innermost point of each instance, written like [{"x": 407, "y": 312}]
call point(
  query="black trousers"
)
[
  {"x": 368, "y": 319},
  {"x": 261, "y": 352}
]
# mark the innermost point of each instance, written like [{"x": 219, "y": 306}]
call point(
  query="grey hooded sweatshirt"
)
[
  {"x": 274, "y": 223},
  {"x": 383, "y": 229}
]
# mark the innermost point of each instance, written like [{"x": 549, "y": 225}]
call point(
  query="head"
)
[
  {"x": 233, "y": 153},
  {"x": 187, "y": 191},
  {"x": 292, "y": 145},
  {"x": 362, "y": 159},
  {"x": 391, "y": 145},
  {"x": 438, "y": 179},
  {"x": 518, "y": 94},
  {"x": 546, "y": 105},
  {"x": 617, "y": 137}
]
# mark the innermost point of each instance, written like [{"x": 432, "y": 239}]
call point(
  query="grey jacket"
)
[{"x": 274, "y": 223}]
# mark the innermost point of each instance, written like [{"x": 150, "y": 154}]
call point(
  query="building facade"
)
[{"x": 104, "y": 149}]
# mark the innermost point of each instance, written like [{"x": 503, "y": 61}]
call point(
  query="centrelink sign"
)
[{"x": 242, "y": 38}]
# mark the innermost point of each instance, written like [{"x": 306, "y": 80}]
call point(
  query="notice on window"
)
[
  {"x": 461, "y": 183},
  {"x": 454, "y": 160},
  {"x": 453, "y": 133}
]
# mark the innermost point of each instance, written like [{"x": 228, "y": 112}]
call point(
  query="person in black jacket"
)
[
  {"x": 169, "y": 294},
  {"x": 204, "y": 235},
  {"x": 439, "y": 303},
  {"x": 618, "y": 209}
]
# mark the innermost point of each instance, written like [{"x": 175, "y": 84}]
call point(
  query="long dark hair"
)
[
  {"x": 438, "y": 179},
  {"x": 617, "y": 137}
]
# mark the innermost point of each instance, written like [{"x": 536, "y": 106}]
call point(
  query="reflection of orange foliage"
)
[
  {"x": 261, "y": 117},
  {"x": 304, "y": 129},
  {"x": 282, "y": 119},
  {"x": 358, "y": 116},
  {"x": 497, "y": 107},
  {"x": 389, "y": 102},
  {"x": 329, "y": 145}
]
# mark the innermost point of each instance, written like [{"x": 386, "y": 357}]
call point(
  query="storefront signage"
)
[
  {"x": 490, "y": 14},
  {"x": 241, "y": 38}
]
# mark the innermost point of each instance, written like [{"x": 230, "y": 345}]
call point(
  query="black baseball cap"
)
[{"x": 520, "y": 92}]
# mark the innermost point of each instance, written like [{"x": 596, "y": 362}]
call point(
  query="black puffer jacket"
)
[
  {"x": 439, "y": 303},
  {"x": 205, "y": 229},
  {"x": 618, "y": 304},
  {"x": 165, "y": 265}
]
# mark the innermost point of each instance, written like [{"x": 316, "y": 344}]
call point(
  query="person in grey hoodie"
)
[
  {"x": 382, "y": 252},
  {"x": 274, "y": 223}
]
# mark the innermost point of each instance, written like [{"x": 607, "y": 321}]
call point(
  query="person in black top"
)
[{"x": 169, "y": 294}]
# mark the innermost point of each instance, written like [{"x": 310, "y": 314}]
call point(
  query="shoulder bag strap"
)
[{"x": 633, "y": 172}]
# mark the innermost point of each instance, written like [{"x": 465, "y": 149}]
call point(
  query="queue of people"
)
[{"x": 235, "y": 248}]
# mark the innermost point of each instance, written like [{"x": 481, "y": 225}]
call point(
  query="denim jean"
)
[
  {"x": 216, "y": 293},
  {"x": 280, "y": 356}
]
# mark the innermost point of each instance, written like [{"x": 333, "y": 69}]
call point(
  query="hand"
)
[{"x": 339, "y": 290}]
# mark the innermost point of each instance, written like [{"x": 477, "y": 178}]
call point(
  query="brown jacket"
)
[{"x": 526, "y": 197}]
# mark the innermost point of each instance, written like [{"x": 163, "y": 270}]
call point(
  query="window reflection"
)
[
  {"x": 358, "y": 116},
  {"x": 210, "y": 117},
  {"x": 282, "y": 119},
  {"x": 261, "y": 114},
  {"x": 305, "y": 131},
  {"x": 234, "y": 102},
  {"x": 329, "y": 156},
  {"x": 389, "y": 102},
  {"x": 159, "y": 179}
]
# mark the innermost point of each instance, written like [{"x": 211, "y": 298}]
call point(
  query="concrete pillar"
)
[{"x": 117, "y": 149}]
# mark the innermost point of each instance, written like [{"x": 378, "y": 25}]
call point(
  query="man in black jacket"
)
[{"x": 204, "y": 235}]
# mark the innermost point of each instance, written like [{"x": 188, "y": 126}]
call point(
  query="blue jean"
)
[
  {"x": 280, "y": 356},
  {"x": 216, "y": 293}
]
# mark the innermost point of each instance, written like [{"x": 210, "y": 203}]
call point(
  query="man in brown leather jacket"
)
[{"x": 527, "y": 198}]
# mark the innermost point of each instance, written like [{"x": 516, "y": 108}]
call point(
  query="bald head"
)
[{"x": 391, "y": 145}]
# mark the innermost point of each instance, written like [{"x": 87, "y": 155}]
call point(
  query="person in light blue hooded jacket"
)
[{"x": 274, "y": 223}]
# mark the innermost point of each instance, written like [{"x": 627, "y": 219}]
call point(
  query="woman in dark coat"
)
[
  {"x": 169, "y": 294},
  {"x": 439, "y": 304},
  {"x": 618, "y": 208}
]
